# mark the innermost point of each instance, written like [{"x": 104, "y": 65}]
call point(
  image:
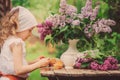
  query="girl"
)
[{"x": 15, "y": 28}]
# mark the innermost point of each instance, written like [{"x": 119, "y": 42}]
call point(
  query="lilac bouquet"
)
[
  {"x": 69, "y": 24},
  {"x": 109, "y": 63}
]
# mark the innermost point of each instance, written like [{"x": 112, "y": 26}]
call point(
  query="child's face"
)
[{"x": 25, "y": 34}]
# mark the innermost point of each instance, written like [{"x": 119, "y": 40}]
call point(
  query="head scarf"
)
[{"x": 26, "y": 20}]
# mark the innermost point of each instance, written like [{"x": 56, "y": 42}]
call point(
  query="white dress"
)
[{"x": 6, "y": 58}]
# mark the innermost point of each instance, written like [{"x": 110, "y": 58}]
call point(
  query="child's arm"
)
[
  {"x": 36, "y": 60},
  {"x": 18, "y": 65}
]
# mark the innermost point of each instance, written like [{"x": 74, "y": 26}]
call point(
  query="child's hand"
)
[
  {"x": 44, "y": 62},
  {"x": 40, "y": 57},
  {"x": 56, "y": 63}
]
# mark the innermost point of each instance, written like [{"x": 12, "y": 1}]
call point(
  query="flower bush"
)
[{"x": 71, "y": 24}]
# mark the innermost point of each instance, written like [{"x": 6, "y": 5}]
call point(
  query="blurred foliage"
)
[
  {"x": 114, "y": 12},
  {"x": 25, "y": 3}
]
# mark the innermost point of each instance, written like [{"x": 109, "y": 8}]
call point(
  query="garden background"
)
[{"x": 42, "y": 8}]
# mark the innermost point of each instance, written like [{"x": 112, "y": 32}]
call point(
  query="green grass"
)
[
  {"x": 35, "y": 75},
  {"x": 34, "y": 51}
]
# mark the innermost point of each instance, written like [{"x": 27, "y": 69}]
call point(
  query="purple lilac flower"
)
[
  {"x": 48, "y": 23},
  {"x": 69, "y": 20},
  {"x": 108, "y": 64},
  {"x": 80, "y": 16},
  {"x": 106, "y": 28},
  {"x": 94, "y": 65},
  {"x": 63, "y": 6},
  {"x": 80, "y": 60},
  {"x": 103, "y": 67},
  {"x": 75, "y": 22},
  {"x": 111, "y": 63},
  {"x": 103, "y": 26},
  {"x": 87, "y": 10},
  {"x": 62, "y": 24},
  {"x": 112, "y": 60},
  {"x": 55, "y": 19},
  {"x": 62, "y": 19},
  {"x": 66, "y": 10},
  {"x": 114, "y": 67},
  {"x": 71, "y": 10},
  {"x": 96, "y": 28},
  {"x": 45, "y": 29},
  {"x": 88, "y": 6},
  {"x": 77, "y": 65},
  {"x": 94, "y": 14},
  {"x": 110, "y": 22},
  {"x": 88, "y": 31}
]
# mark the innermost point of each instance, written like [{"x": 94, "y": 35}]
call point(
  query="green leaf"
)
[
  {"x": 84, "y": 65},
  {"x": 100, "y": 61},
  {"x": 63, "y": 29},
  {"x": 48, "y": 39}
]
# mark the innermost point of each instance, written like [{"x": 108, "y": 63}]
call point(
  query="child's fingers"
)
[
  {"x": 41, "y": 57},
  {"x": 45, "y": 58}
]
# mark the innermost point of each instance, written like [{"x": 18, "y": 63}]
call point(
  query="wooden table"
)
[{"x": 80, "y": 74}]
